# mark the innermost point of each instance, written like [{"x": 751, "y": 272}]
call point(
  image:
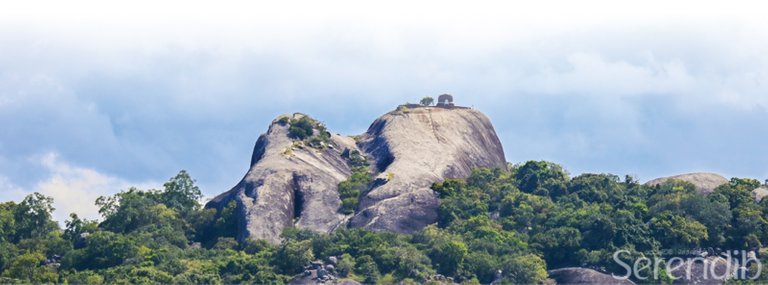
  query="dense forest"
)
[{"x": 522, "y": 221}]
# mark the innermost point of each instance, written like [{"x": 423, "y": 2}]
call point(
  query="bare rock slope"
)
[
  {"x": 705, "y": 182},
  {"x": 288, "y": 184},
  {"x": 292, "y": 184},
  {"x": 415, "y": 148}
]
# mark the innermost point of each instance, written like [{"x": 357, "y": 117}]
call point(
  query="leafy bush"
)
[
  {"x": 351, "y": 189},
  {"x": 307, "y": 129}
]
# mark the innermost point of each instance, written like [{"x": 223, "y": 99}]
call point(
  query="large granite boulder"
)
[
  {"x": 579, "y": 275},
  {"x": 705, "y": 182},
  {"x": 760, "y": 193},
  {"x": 709, "y": 270},
  {"x": 291, "y": 183},
  {"x": 413, "y": 148}
]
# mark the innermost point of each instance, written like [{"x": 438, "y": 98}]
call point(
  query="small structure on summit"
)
[{"x": 445, "y": 100}]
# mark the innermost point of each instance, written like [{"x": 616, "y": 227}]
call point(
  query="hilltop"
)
[{"x": 298, "y": 165}]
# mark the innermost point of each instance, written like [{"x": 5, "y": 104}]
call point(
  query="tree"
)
[
  {"x": 181, "y": 194},
  {"x": 367, "y": 267},
  {"x": 7, "y": 221},
  {"x": 302, "y": 128},
  {"x": 75, "y": 227},
  {"x": 350, "y": 189},
  {"x": 126, "y": 211},
  {"x": 446, "y": 250},
  {"x": 558, "y": 244},
  {"x": 346, "y": 265},
  {"x": 427, "y": 101},
  {"x": 482, "y": 265},
  {"x": 449, "y": 255},
  {"x": 26, "y": 267},
  {"x": 103, "y": 249},
  {"x": 525, "y": 269},
  {"x": 412, "y": 263},
  {"x": 677, "y": 231},
  {"x": 596, "y": 187},
  {"x": 33, "y": 217},
  {"x": 542, "y": 178},
  {"x": 84, "y": 277},
  {"x": 293, "y": 255}
]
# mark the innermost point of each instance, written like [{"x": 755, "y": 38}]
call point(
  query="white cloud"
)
[
  {"x": 74, "y": 189},
  {"x": 145, "y": 88},
  {"x": 9, "y": 191}
]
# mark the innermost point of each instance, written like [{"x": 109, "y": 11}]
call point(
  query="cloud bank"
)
[{"x": 95, "y": 98}]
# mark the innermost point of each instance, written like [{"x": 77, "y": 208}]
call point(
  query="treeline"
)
[{"x": 520, "y": 222}]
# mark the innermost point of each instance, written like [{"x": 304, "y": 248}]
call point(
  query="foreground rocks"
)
[
  {"x": 579, "y": 275},
  {"x": 319, "y": 272},
  {"x": 710, "y": 270},
  {"x": 291, "y": 183}
]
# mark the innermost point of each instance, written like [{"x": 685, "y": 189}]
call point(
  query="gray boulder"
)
[
  {"x": 579, "y": 275},
  {"x": 705, "y": 182},
  {"x": 414, "y": 148},
  {"x": 710, "y": 270},
  {"x": 760, "y": 193},
  {"x": 309, "y": 280},
  {"x": 288, "y": 184},
  {"x": 292, "y": 184}
]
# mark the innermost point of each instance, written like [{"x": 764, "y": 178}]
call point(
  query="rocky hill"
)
[
  {"x": 705, "y": 182},
  {"x": 413, "y": 149},
  {"x": 297, "y": 166},
  {"x": 289, "y": 183}
]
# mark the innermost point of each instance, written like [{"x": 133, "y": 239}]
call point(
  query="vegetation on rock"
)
[
  {"x": 308, "y": 130},
  {"x": 427, "y": 101},
  {"x": 357, "y": 183}
]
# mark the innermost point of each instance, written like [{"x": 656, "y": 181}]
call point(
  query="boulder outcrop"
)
[
  {"x": 289, "y": 184},
  {"x": 579, "y": 275},
  {"x": 294, "y": 181},
  {"x": 414, "y": 148},
  {"x": 709, "y": 270},
  {"x": 705, "y": 182},
  {"x": 760, "y": 193}
]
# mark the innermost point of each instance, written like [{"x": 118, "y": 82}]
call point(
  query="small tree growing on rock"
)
[{"x": 427, "y": 101}]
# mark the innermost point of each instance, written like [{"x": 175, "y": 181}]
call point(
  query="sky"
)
[{"x": 99, "y": 96}]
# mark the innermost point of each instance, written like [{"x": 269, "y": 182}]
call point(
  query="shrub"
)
[
  {"x": 301, "y": 128},
  {"x": 351, "y": 189},
  {"x": 308, "y": 130}
]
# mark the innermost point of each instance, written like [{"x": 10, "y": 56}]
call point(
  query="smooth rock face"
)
[
  {"x": 705, "y": 182},
  {"x": 579, "y": 275},
  {"x": 414, "y": 148},
  {"x": 760, "y": 193},
  {"x": 408, "y": 150},
  {"x": 289, "y": 185}
]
